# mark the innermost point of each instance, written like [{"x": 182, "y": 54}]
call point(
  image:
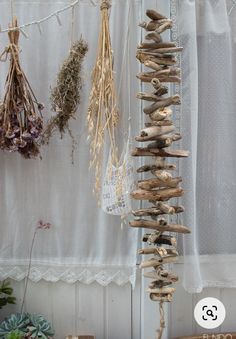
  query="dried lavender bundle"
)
[
  {"x": 65, "y": 96},
  {"x": 21, "y": 122}
]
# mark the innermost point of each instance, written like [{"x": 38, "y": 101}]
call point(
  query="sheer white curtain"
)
[
  {"x": 84, "y": 243},
  {"x": 208, "y": 122}
]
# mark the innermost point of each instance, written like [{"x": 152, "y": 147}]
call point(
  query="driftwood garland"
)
[
  {"x": 65, "y": 96},
  {"x": 21, "y": 121},
  {"x": 159, "y": 134}
]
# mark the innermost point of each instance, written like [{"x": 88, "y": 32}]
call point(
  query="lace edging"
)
[{"x": 103, "y": 276}]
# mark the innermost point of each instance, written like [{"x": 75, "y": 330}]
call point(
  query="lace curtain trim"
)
[{"x": 84, "y": 274}]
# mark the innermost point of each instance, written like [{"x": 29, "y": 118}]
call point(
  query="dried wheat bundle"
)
[
  {"x": 65, "y": 96},
  {"x": 102, "y": 110},
  {"x": 20, "y": 113}
]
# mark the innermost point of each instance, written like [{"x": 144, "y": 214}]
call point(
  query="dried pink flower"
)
[{"x": 43, "y": 225}]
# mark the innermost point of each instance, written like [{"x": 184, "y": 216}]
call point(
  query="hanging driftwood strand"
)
[{"x": 160, "y": 58}]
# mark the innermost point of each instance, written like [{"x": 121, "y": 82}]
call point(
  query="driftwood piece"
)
[
  {"x": 160, "y": 251},
  {"x": 147, "y": 168},
  {"x": 166, "y": 25},
  {"x": 155, "y": 262},
  {"x": 156, "y": 45},
  {"x": 159, "y": 284},
  {"x": 153, "y": 65},
  {"x": 155, "y": 225},
  {"x": 159, "y": 88},
  {"x": 154, "y": 15},
  {"x": 166, "y": 208},
  {"x": 147, "y": 96},
  {"x": 161, "y": 290},
  {"x": 150, "y": 26},
  {"x": 173, "y": 100},
  {"x": 173, "y": 137},
  {"x": 153, "y": 132},
  {"x": 169, "y": 49},
  {"x": 161, "y": 60},
  {"x": 161, "y": 297},
  {"x": 160, "y": 239},
  {"x": 149, "y": 184},
  {"x": 158, "y": 26},
  {"x": 148, "y": 77},
  {"x": 163, "y": 176},
  {"x": 159, "y": 123},
  {"x": 162, "y": 275},
  {"x": 154, "y": 36},
  {"x": 158, "y": 195},
  {"x": 168, "y": 71},
  {"x": 156, "y": 83},
  {"x": 141, "y": 152},
  {"x": 161, "y": 114},
  {"x": 155, "y": 211},
  {"x": 164, "y": 141}
]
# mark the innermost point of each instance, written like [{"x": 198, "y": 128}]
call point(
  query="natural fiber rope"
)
[
  {"x": 105, "y": 4},
  {"x": 72, "y": 25},
  {"x": 162, "y": 320},
  {"x": 12, "y": 9}
]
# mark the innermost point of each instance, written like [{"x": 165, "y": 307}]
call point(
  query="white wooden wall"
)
[
  {"x": 115, "y": 312},
  {"x": 181, "y": 318}
]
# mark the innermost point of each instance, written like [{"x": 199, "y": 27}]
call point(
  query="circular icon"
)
[{"x": 209, "y": 313}]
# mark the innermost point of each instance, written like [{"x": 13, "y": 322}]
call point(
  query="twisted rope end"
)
[{"x": 106, "y": 4}]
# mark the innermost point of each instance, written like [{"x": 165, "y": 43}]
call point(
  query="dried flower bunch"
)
[
  {"x": 102, "y": 110},
  {"x": 21, "y": 122},
  {"x": 65, "y": 96}
]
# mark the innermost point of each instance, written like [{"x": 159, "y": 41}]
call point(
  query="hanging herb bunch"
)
[
  {"x": 102, "y": 111},
  {"x": 21, "y": 122},
  {"x": 65, "y": 96}
]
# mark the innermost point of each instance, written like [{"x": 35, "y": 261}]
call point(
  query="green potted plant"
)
[
  {"x": 6, "y": 292},
  {"x": 25, "y": 325}
]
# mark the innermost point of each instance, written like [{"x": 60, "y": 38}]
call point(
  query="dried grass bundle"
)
[
  {"x": 65, "y": 96},
  {"x": 102, "y": 110},
  {"x": 20, "y": 113}
]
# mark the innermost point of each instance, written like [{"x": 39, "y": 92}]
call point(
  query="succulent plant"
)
[
  {"x": 6, "y": 292},
  {"x": 15, "y": 335},
  {"x": 14, "y": 322},
  {"x": 39, "y": 327}
]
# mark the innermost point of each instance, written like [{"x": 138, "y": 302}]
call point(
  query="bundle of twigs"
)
[
  {"x": 65, "y": 96},
  {"x": 102, "y": 110},
  {"x": 20, "y": 113}
]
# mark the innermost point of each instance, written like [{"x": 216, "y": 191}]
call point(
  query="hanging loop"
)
[{"x": 105, "y": 4}]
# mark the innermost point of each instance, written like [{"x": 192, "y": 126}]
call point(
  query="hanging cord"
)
[
  {"x": 162, "y": 320},
  {"x": 126, "y": 55},
  {"x": 105, "y": 4},
  {"x": 72, "y": 25},
  {"x": 12, "y": 10},
  {"x": 52, "y": 15}
]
